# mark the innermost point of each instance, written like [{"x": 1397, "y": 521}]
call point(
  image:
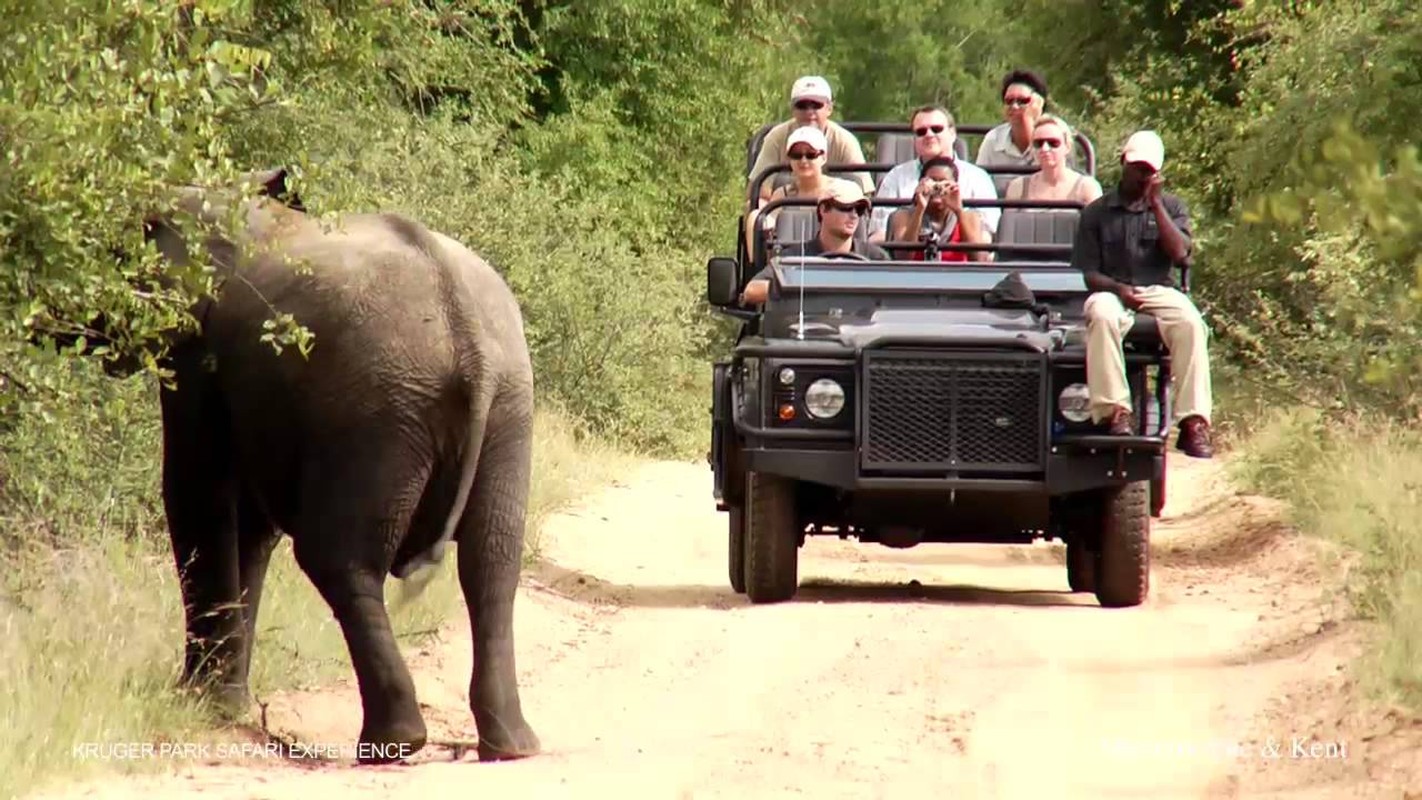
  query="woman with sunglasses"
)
[
  {"x": 805, "y": 150},
  {"x": 1054, "y": 180}
]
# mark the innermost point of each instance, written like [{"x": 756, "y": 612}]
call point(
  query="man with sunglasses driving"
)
[
  {"x": 1128, "y": 243},
  {"x": 934, "y": 132},
  {"x": 841, "y": 210},
  {"x": 811, "y": 103}
]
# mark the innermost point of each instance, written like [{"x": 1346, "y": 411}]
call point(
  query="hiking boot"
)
[
  {"x": 1121, "y": 423},
  {"x": 1194, "y": 438}
]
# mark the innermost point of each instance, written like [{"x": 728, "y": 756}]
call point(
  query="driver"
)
[{"x": 841, "y": 210}]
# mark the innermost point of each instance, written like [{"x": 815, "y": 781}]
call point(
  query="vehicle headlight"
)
[
  {"x": 824, "y": 398},
  {"x": 787, "y": 375},
  {"x": 1074, "y": 402}
]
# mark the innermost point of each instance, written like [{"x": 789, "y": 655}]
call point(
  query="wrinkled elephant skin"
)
[{"x": 409, "y": 426}]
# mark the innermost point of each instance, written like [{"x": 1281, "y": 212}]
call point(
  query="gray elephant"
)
[{"x": 407, "y": 428}]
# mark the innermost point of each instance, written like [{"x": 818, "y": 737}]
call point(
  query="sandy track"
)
[{"x": 646, "y": 676}]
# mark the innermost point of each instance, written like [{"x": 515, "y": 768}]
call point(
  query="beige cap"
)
[
  {"x": 845, "y": 192},
  {"x": 1144, "y": 147}
]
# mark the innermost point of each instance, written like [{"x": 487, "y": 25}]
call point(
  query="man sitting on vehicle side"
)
[
  {"x": 841, "y": 211},
  {"x": 937, "y": 215},
  {"x": 1127, "y": 244},
  {"x": 934, "y": 132},
  {"x": 811, "y": 103}
]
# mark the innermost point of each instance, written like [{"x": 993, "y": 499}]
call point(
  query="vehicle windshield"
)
[{"x": 845, "y": 275}]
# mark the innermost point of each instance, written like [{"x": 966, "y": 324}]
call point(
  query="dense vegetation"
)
[{"x": 592, "y": 151}]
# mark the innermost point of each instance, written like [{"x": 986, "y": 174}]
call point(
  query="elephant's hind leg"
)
[
  {"x": 490, "y": 553},
  {"x": 356, "y": 506},
  {"x": 199, "y": 500}
]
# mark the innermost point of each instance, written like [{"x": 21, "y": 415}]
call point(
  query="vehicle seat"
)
[{"x": 1036, "y": 226}]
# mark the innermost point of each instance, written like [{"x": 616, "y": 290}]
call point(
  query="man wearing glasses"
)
[
  {"x": 811, "y": 103},
  {"x": 840, "y": 211},
  {"x": 1127, "y": 245},
  {"x": 934, "y": 132}
]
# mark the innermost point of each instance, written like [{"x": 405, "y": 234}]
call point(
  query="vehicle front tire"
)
[
  {"x": 1123, "y": 562},
  {"x": 772, "y": 548},
  {"x": 736, "y": 517}
]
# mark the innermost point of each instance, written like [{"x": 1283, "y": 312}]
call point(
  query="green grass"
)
[
  {"x": 1357, "y": 483},
  {"x": 90, "y": 616}
]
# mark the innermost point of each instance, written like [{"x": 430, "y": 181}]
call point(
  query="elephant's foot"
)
[
  {"x": 228, "y": 701},
  {"x": 498, "y": 742},
  {"x": 387, "y": 744}
]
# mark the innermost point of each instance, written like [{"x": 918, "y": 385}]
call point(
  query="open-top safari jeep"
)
[{"x": 895, "y": 402}]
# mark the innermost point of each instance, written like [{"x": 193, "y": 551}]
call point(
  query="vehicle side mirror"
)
[{"x": 721, "y": 284}]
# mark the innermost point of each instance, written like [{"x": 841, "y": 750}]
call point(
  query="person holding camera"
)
[{"x": 937, "y": 216}]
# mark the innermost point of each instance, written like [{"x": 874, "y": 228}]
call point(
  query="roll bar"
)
[{"x": 1088, "y": 150}]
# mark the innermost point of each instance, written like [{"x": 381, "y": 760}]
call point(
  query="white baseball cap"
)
[
  {"x": 810, "y": 135},
  {"x": 1145, "y": 147},
  {"x": 811, "y": 87}
]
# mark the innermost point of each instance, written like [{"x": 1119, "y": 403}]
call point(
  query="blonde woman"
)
[
  {"x": 805, "y": 149},
  {"x": 1054, "y": 180}
]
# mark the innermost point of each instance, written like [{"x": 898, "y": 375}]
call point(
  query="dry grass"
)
[{"x": 1358, "y": 484}]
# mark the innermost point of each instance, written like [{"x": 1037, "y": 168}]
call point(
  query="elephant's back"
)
[{"x": 394, "y": 309}]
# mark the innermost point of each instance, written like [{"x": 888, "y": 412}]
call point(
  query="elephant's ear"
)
[{"x": 272, "y": 183}]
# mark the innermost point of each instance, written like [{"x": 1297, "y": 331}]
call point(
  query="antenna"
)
[{"x": 800, "y": 329}]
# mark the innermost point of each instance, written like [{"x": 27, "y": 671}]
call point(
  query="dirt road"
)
[{"x": 646, "y": 676}]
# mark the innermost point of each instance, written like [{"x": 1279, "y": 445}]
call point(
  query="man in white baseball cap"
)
[
  {"x": 811, "y": 103},
  {"x": 1128, "y": 243}
]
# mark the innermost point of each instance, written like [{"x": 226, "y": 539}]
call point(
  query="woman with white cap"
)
[{"x": 805, "y": 149}]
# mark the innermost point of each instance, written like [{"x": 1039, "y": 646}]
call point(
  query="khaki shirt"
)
[{"x": 844, "y": 148}]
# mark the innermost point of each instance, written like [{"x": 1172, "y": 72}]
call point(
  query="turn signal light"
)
[{"x": 787, "y": 412}]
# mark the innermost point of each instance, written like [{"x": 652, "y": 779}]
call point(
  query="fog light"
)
[
  {"x": 824, "y": 398},
  {"x": 787, "y": 412},
  {"x": 1074, "y": 402}
]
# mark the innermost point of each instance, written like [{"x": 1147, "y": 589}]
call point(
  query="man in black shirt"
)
[
  {"x": 1128, "y": 243},
  {"x": 841, "y": 211}
]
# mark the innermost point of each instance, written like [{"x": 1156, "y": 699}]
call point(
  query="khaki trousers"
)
[{"x": 1181, "y": 327}]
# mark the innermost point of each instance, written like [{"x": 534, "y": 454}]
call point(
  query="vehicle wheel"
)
[
  {"x": 1081, "y": 567},
  {"x": 772, "y": 548},
  {"x": 1123, "y": 563},
  {"x": 737, "y": 555}
]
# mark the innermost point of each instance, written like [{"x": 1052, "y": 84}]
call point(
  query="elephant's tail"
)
[{"x": 442, "y": 504}]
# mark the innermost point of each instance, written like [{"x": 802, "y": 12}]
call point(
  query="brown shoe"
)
[
  {"x": 1194, "y": 438},
  {"x": 1121, "y": 423}
]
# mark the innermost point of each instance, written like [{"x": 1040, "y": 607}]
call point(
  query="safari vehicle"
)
[{"x": 896, "y": 402}]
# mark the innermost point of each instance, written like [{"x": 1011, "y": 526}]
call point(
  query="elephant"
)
[{"x": 408, "y": 427}]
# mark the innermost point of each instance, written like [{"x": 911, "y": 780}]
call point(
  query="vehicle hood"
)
[{"x": 1017, "y": 328}]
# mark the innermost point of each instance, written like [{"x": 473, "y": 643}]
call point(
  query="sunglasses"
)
[
  {"x": 1047, "y": 143},
  {"x": 924, "y": 131},
  {"x": 809, "y": 105},
  {"x": 857, "y": 208},
  {"x": 1016, "y": 102},
  {"x": 804, "y": 155}
]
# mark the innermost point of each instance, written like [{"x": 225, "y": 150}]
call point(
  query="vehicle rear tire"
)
[
  {"x": 1123, "y": 562},
  {"x": 1081, "y": 567},
  {"x": 772, "y": 548},
  {"x": 737, "y": 555}
]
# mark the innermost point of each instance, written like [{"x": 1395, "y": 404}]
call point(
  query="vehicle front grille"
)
[{"x": 943, "y": 411}]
